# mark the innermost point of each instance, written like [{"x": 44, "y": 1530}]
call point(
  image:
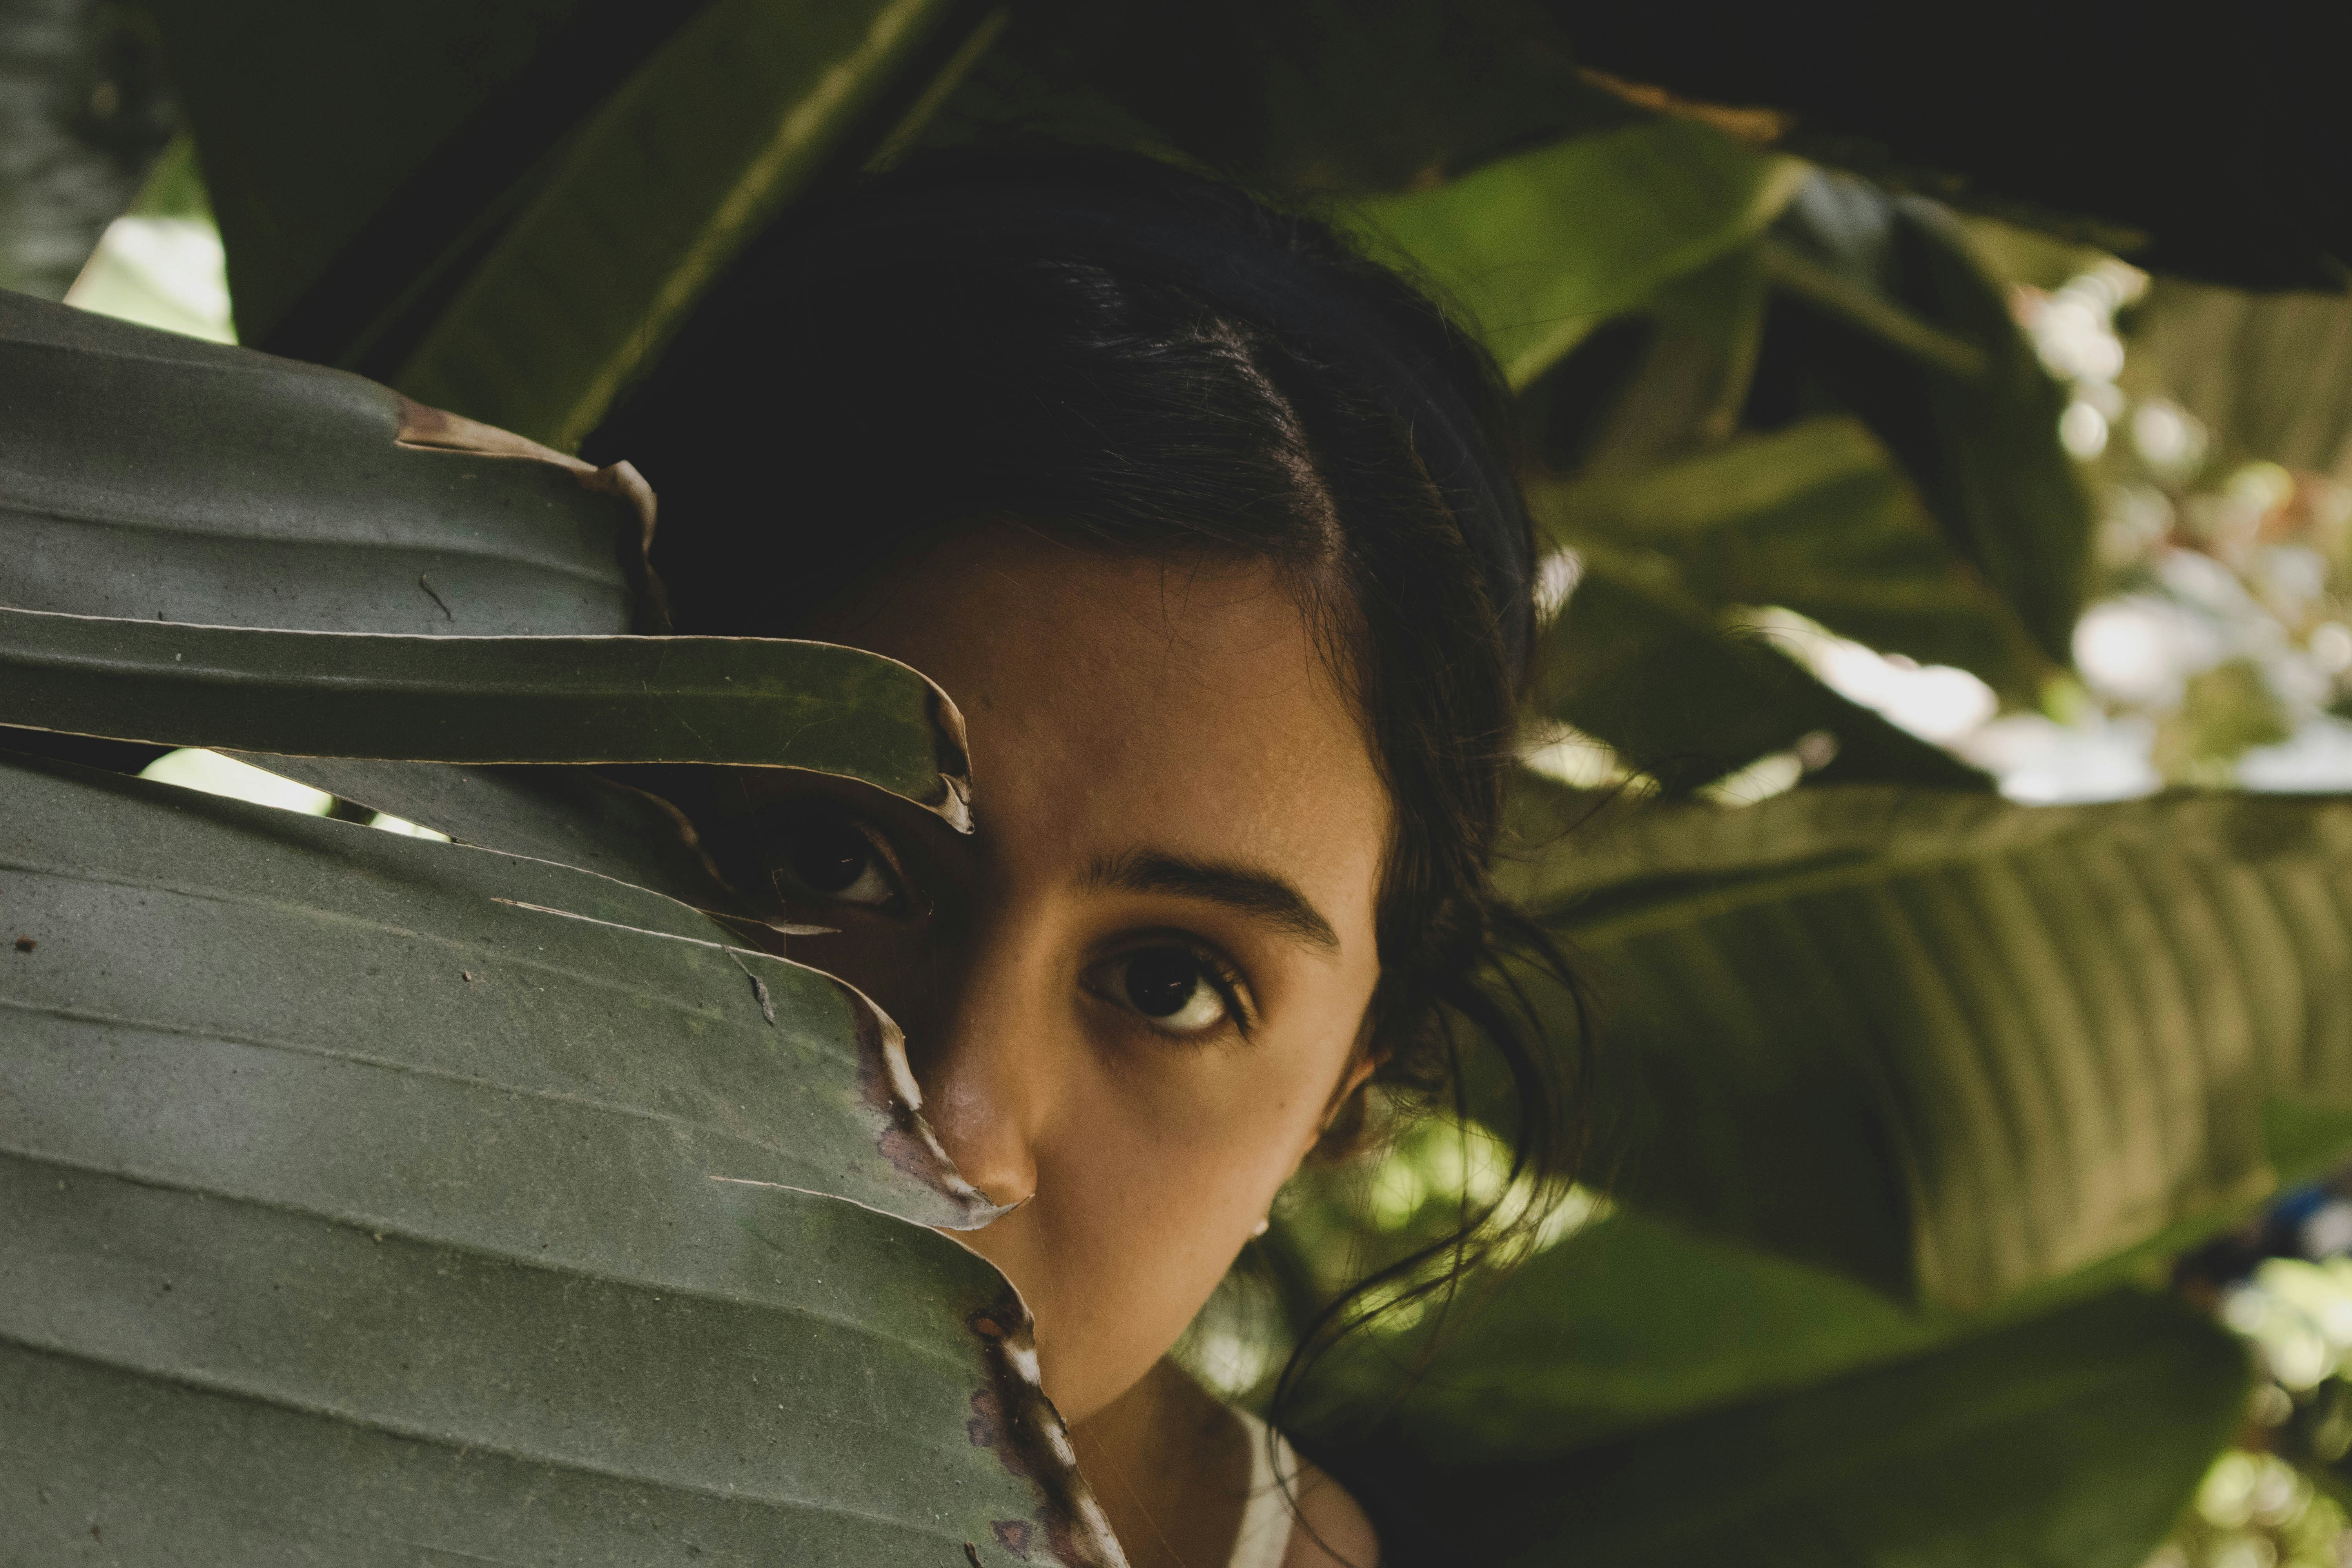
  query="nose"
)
[{"x": 981, "y": 1051}]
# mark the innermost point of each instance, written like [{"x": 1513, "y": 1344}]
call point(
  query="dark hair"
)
[{"x": 816, "y": 420}]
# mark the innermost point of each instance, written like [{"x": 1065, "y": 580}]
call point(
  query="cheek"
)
[
  {"x": 1203, "y": 1157},
  {"x": 1149, "y": 1184}
]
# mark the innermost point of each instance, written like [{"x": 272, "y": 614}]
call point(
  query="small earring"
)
[{"x": 1262, "y": 1227}]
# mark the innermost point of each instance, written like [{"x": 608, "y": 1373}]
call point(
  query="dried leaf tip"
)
[
  {"x": 1012, "y": 1419},
  {"x": 896, "y": 1099},
  {"x": 954, "y": 754},
  {"x": 436, "y": 430}
]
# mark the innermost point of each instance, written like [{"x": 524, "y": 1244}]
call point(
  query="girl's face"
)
[{"x": 1135, "y": 994}]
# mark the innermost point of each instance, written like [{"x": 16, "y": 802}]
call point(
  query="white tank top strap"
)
[{"x": 1266, "y": 1517}]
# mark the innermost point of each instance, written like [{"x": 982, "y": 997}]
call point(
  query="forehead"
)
[{"x": 1117, "y": 704}]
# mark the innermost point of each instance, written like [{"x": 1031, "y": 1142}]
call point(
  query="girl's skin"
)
[{"x": 1136, "y": 996}]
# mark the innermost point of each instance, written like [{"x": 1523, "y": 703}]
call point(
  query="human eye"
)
[
  {"x": 826, "y": 856},
  {"x": 1173, "y": 988}
]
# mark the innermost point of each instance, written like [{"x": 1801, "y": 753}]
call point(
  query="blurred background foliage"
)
[{"x": 1941, "y": 440}]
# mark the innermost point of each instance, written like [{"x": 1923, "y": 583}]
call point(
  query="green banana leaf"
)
[
  {"x": 1850, "y": 305},
  {"x": 2267, "y": 374},
  {"x": 740, "y": 111},
  {"x": 150, "y": 476},
  {"x": 1326, "y": 96},
  {"x": 1628, "y": 1322},
  {"x": 1850, "y": 295},
  {"x": 1638, "y": 661},
  {"x": 1661, "y": 382},
  {"x": 320, "y": 129},
  {"x": 1636, "y": 1372},
  {"x": 369, "y": 1199},
  {"x": 2075, "y": 1437},
  {"x": 239, "y": 487},
  {"x": 393, "y": 186},
  {"x": 377, "y": 1197},
  {"x": 1816, "y": 518},
  {"x": 1539, "y": 248},
  {"x": 570, "y": 815},
  {"x": 1648, "y": 1394},
  {"x": 747, "y": 701},
  {"x": 1881, "y": 309},
  {"x": 1955, "y": 1047}
]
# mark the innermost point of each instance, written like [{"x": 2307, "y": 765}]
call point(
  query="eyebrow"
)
[{"x": 1251, "y": 889}]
